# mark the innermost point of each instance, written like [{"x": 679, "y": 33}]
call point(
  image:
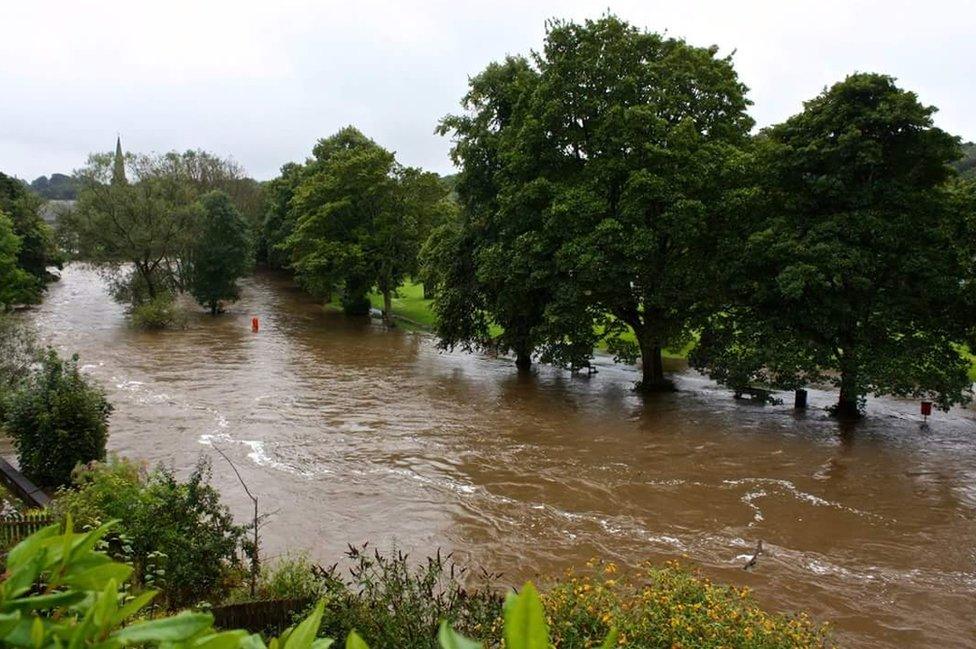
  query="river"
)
[{"x": 348, "y": 432}]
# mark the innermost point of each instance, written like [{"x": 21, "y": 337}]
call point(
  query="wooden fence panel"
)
[
  {"x": 14, "y": 528},
  {"x": 259, "y": 616}
]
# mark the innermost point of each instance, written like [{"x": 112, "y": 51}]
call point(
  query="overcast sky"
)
[{"x": 261, "y": 81}]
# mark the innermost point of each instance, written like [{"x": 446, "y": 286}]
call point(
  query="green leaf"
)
[
  {"x": 525, "y": 620},
  {"x": 451, "y": 639},
  {"x": 45, "y": 602},
  {"x": 304, "y": 634},
  {"x": 134, "y": 606},
  {"x": 28, "y": 548},
  {"x": 178, "y": 628},
  {"x": 98, "y": 577},
  {"x": 87, "y": 542},
  {"x": 353, "y": 641},
  {"x": 223, "y": 640},
  {"x": 253, "y": 641},
  {"x": 611, "y": 640},
  {"x": 323, "y": 643}
]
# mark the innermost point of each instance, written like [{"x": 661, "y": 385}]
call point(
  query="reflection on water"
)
[{"x": 349, "y": 432}]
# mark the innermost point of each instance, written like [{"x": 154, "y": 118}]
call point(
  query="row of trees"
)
[{"x": 611, "y": 189}]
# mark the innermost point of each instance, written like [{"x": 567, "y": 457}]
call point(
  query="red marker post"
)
[
  {"x": 926, "y": 409},
  {"x": 254, "y": 325}
]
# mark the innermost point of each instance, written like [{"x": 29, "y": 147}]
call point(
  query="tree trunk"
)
[
  {"x": 847, "y": 401},
  {"x": 652, "y": 366},
  {"x": 388, "y": 308},
  {"x": 214, "y": 305},
  {"x": 523, "y": 360}
]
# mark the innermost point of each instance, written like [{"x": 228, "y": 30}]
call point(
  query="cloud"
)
[{"x": 261, "y": 81}]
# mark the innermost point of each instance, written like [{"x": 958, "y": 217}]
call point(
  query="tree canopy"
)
[
  {"x": 590, "y": 177},
  {"x": 221, "y": 253},
  {"x": 356, "y": 218},
  {"x": 844, "y": 264}
]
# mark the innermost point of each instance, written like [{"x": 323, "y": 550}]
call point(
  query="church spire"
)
[{"x": 118, "y": 172}]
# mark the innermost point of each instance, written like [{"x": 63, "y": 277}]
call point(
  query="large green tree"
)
[
  {"x": 359, "y": 219},
  {"x": 139, "y": 226},
  {"x": 849, "y": 259},
  {"x": 17, "y": 286},
  {"x": 38, "y": 250},
  {"x": 593, "y": 173},
  {"x": 221, "y": 253}
]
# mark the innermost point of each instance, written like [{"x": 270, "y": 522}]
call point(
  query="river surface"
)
[{"x": 348, "y": 432}]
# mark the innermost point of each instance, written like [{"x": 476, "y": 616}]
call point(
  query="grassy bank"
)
[{"x": 417, "y": 313}]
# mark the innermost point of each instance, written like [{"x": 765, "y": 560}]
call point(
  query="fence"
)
[
  {"x": 14, "y": 528},
  {"x": 275, "y": 614}
]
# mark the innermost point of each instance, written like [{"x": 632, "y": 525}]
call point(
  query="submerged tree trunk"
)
[
  {"x": 388, "y": 308},
  {"x": 848, "y": 401},
  {"x": 214, "y": 307},
  {"x": 523, "y": 359},
  {"x": 652, "y": 366}
]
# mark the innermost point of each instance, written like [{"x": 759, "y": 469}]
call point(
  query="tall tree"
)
[
  {"x": 144, "y": 219},
  {"x": 596, "y": 172},
  {"x": 221, "y": 253},
  {"x": 38, "y": 250},
  {"x": 358, "y": 219},
  {"x": 17, "y": 286},
  {"x": 842, "y": 264}
]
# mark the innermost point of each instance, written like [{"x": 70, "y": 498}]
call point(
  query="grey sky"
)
[{"x": 261, "y": 81}]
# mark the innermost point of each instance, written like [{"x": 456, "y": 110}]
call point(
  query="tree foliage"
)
[
  {"x": 17, "y": 286},
  {"x": 843, "y": 260},
  {"x": 58, "y": 419},
  {"x": 357, "y": 219},
  {"x": 182, "y": 523},
  {"x": 37, "y": 251},
  {"x": 590, "y": 178},
  {"x": 221, "y": 253}
]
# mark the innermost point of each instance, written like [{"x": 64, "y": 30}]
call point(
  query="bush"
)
[
  {"x": 292, "y": 576},
  {"x": 57, "y": 420},
  {"x": 161, "y": 312},
  {"x": 393, "y": 604},
  {"x": 181, "y": 527},
  {"x": 59, "y": 591},
  {"x": 17, "y": 354},
  {"x": 667, "y": 607}
]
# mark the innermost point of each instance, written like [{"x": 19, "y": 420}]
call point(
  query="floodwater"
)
[{"x": 347, "y": 432}]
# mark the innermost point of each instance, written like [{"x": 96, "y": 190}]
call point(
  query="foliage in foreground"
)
[
  {"x": 394, "y": 603},
  {"x": 58, "y": 419},
  {"x": 667, "y": 607},
  {"x": 181, "y": 527},
  {"x": 59, "y": 591}
]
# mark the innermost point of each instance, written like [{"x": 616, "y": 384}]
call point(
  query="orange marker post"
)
[{"x": 254, "y": 325}]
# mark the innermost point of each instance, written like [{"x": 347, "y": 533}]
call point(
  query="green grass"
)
[{"x": 409, "y": 303}]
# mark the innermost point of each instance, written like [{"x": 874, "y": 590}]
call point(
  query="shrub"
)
[
  {"x": 161, "y": 312},
  {"x": 182, "y": 524},
  {"x": 394, "y": 604},
  {"x": 292, "y": 576},
  {"x": 57, "y": 419},
  {"x": 667, "y": 607},
  {"x": 17, "y": 354},
  {"x": 59, "y": 591}
]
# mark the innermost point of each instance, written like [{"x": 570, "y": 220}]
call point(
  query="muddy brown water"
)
[{"x": 348, "y": 432}]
